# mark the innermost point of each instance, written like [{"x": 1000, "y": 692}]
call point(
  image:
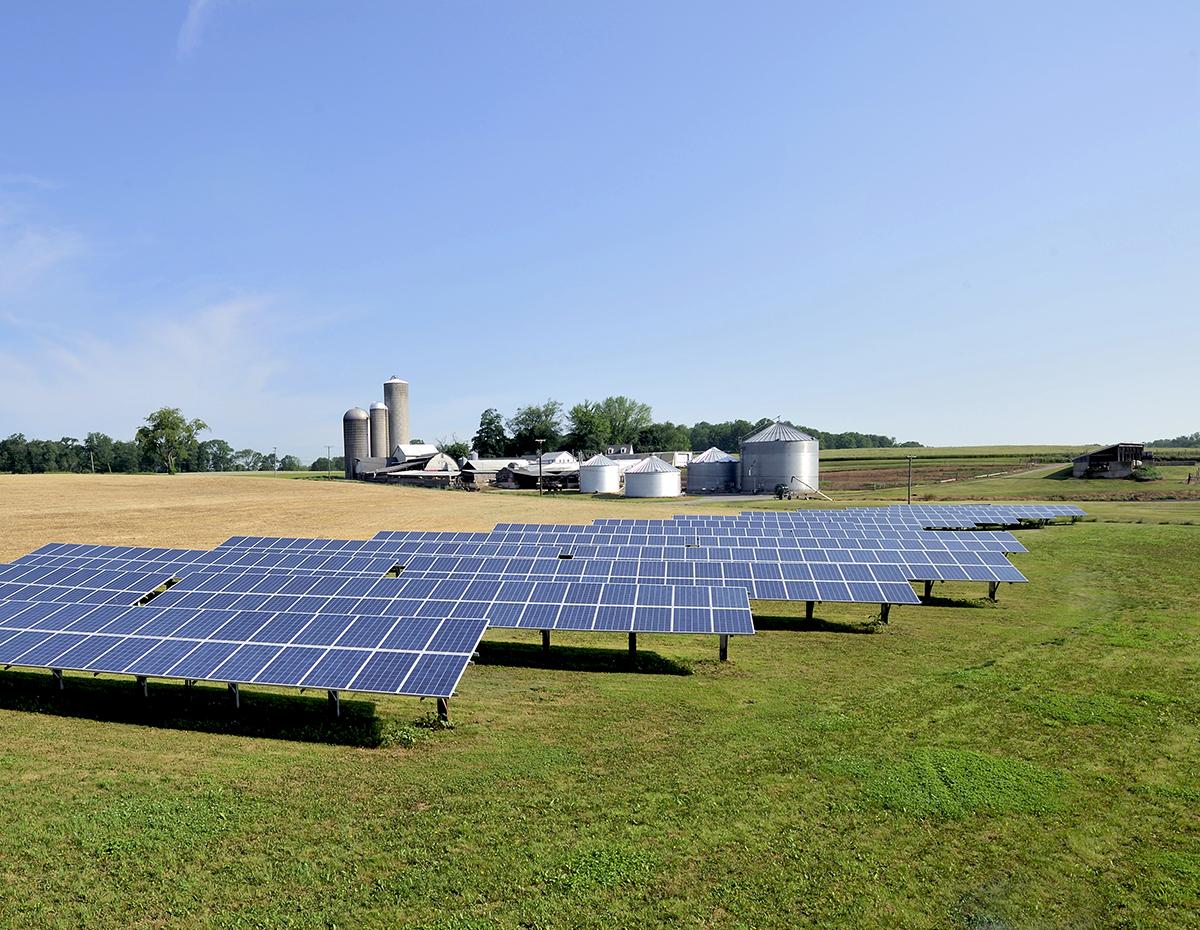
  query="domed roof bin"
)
[
  {"x": 779, "y": 454},
  {"x": 652, "y": 477}
]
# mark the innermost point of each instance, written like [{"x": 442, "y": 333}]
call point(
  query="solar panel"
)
[{"x": 391, "y": 655}]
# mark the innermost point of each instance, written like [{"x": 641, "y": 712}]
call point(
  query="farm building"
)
[
  {"x": 482, "y": 472},
  {"x": 555, "y": 470},
  {"x": 1117, "y": 461}
]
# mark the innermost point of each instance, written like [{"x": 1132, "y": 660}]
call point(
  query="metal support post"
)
[
  {"x": 335, "y": 703},
  {"x": 885, "y": 611},
  {"x": 546, "y": 641},
  {"x": 144, "y": 684},
  {"x": 723, "y": 649},
  {"x": 632, "y": 645},
  {"x": 928, "y": 590},
  {"x": 443, "y": 709},
  {"x": 808, "y": 610},
  {"x": 237, "y": 695},
  {"x": 993, "y": 590},
  {"x": 57, "y": 673}
]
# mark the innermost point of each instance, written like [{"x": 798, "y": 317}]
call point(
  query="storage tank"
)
[
  {"x": 779, "y": 454},
  {"x": 379, "y": 431},
  {"x": 712, "y": 472},
  {"x": 355, "y": 437},
  {"x": 652, "y": 477},
  {"x": 599, "y": 475},
  {"x": 395, "y": 395}
]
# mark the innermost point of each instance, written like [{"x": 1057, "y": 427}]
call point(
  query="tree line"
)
[
  {"x": 593, "y": 426},
  {"x": 1179, "y": 442},
  {"x": 166, "y": 442}
]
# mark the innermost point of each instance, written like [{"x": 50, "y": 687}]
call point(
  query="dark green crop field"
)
[{"x": 1028, "y": 764}]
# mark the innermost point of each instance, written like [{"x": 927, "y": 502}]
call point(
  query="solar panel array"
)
[{"x": 321, "y": 613}]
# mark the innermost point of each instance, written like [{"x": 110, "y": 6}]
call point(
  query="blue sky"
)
[{"x": 943, "y": 222}]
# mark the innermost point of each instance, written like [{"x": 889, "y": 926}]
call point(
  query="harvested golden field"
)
[{"x": 200, "y": 511}]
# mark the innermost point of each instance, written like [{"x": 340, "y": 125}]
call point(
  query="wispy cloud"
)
[
  {"x": 29, "y": 253},
  {"x": 192, "y": 30},
  {"x": 27, "y": 180},
  {"x": 226, "y": 362}
]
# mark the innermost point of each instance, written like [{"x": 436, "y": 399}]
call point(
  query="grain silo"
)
[
  {"x": 395, "y": 395},
  {"x": 599, "y": 475},
  {"x": 652, "y": 477},
  {"x": 778, "y": 455},
  {"x": 712, "y": 472},
  {"x": 355, "y": 437},
  {"x": 379, "y": 431}
]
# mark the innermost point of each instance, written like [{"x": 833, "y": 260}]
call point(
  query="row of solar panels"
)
[
  {"x": 915, "y": 565},
  {"x": 392, "y": 655}
]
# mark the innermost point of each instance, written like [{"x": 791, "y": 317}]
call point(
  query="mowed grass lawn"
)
[{"x": 1028, "y": 764}]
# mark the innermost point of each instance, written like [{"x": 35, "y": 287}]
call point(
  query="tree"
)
[
  {"x": 663, "y": 437},
  {"x": 536, "y": 422},
  {"x": 626, "y": 418},
  {"x": 491, "y": 441},
  {"x": 290, "y": 463},
  {"x": 590, "y": 430},
  {"x": 214, "y": 455},
  {"x": 167, "y": 437},
  {"x": 14, "y": 455},
  {"x": 70, "y": 455},
  {"x": 247, "y": 460},
  {"x": 703, "y": 436},
  {"x": 126, "y": 456},
  {"x": 453, "y": 447},
  {"x": 99, "y": 449},
  {"x": 337, "y": 463}
]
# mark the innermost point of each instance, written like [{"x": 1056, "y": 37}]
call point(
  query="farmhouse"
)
[{"x": 1116, "y": 461}]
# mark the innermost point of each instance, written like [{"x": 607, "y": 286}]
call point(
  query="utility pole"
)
[
  {"x": 328, "y": 461},
  {"x": 275, "y": 458},
  {"x": 92, "y": 456},
  {"x": 910, "y": 458},
  {"x": 540, "y": 443}
]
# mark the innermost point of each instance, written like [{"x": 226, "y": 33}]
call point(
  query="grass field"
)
[{"x": 1028, "y": 764}]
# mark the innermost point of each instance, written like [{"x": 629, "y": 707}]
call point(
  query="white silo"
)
[
  {"x": 779, "y": 455},
  {"x": 355, "y": 437},
  {"x": 652, "y": 477},
  {"x": 379, "y": 431},
  {"x": 395, "y": 395},
  {"x": 599, "y": 475},
  {"x": 711, "y": 472}
]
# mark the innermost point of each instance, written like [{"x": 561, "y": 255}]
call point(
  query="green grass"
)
[{"x": 1027, "y": 764}]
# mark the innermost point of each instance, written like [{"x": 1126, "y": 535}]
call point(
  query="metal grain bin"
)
[
  {"x": 355, "y": 437},
  {"x": 652, "y": 477},
  {"x": 779, "y": 455},
  {"x": 599, "y": 475},
  {"x": 712, "y": 472},
  {"x": 395, "y": 395},
  {"x": 379, "y": 431}
]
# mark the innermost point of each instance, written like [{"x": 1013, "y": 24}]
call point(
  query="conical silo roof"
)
[
  {"x": 599, "y": 461},
  {"x": 712, "y": 455},
  {"x": 653, "y": 463},
  {"x": 780, "y": 432}
]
